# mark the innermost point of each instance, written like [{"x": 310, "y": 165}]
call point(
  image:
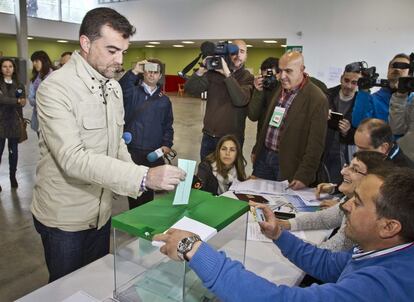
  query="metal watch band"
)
[{"x": 185, "y": 245}]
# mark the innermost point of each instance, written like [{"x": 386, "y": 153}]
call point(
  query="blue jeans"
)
[
  {"x": 66, "y": 252},
  {"x": 266, "y": 165},
  {"x": 209, "y": 143},
  {"x": 13, "y": 152}
]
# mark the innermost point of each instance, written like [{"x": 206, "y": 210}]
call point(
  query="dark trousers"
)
[
  {"x": 66, "y": 252},
  {"x": 209, "y": 143},
  {"x": 266, "y": 165},
  {"x": 13, "y": 153},
  {"x": 140, "y": 158}
]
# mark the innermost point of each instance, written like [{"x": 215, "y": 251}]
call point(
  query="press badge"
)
[{"x": 277, "y": 116}]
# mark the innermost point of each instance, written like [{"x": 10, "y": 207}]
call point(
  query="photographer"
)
[
  {"x": 340, "y": 135},
  {"x": 148, "y": 117},
  {"x": 228, "y": 94},
  {"x": 376, "y": 105},
  {"x": 265, "y": 87}
]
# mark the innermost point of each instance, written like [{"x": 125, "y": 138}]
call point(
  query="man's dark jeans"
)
[
  {"x": 266, "y": 165},
  {"x": 65, "y": 252},
  {"x": 13, "y": 152},
  {"x": 209, "y": 143}
]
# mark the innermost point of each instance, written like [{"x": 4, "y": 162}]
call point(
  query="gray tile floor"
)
[{"x": 22, "y": 265}]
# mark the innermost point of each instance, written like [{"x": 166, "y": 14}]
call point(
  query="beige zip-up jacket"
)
[{"x": 83, "y": 158}]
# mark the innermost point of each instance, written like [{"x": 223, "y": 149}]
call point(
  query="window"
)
[{"x": 7, "y": 6}]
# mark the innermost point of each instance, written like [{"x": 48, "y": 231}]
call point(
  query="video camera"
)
[
  {"x": 213, "y": 52},
  {"x": 369, "y": 77},
  {"x": 269, "y": 79},
  {"x": 406, "y": 84}
]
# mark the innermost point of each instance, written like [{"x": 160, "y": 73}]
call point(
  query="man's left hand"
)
[
  {"x": 171, "y": 238},
  {"x": 296, "y": 185},
  {"x": 166, "y": 149}
]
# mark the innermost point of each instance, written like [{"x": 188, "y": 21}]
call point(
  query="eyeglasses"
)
[{"x": 353, "y": 170}]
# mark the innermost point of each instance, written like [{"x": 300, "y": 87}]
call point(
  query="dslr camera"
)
[
  {"x": 213, "y": 52},
  {"x": 369, "y": 77},
  {"x": 406, "y": 84},
  {"x": 269, "y": 79}
]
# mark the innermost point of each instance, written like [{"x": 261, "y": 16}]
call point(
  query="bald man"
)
[
  {"x": 228, "y": 94},
  {"x": 292, "y": 138}
]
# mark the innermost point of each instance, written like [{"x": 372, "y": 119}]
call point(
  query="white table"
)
[{"x": 97, "y": 278}]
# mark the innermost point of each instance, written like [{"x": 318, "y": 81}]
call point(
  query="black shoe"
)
[
  {"x": 13, "y": 182},
  {"x": 0, "y": 188}
]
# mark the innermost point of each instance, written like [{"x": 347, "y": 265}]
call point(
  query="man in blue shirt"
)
[
  {"x": 380, "y": 218},
  {"x": 376, "y": 105}
]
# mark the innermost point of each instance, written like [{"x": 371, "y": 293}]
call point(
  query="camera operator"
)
[
  {"x": 228, "y": 94},
  {"x": 401, "y": 115},
  {"x": 340, "y": 135},
  {"x": 265, "y": 87},
  {"x": 376, "y": 105}
]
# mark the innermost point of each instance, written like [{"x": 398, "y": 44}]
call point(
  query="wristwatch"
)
[{"x": 185, "y": 245}]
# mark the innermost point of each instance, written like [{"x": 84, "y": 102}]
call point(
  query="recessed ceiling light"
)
[
  {"x": 62, "y": 41},
  {"x": 30, "y": 38},
  {"x": 149, "y": 46},
  {"x": 283, "y": 45},
  {"x": 178, "y": 45},
  {"x": 187, "y": 42},
  {"x": 154, "y": 42},
  {"x": 270, "y": 41},
  {"x": 248, "y": 45}
]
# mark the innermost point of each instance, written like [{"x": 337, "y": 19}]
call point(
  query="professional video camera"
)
[
  {"x": 269, "y": 79},
  {"x": 213, "y": 52},
  {"x": 369, "y": 77},
  {"x": 406, "y": 84}
]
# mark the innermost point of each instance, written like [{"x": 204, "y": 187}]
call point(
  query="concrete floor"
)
[{"x": 22, "y": 265}]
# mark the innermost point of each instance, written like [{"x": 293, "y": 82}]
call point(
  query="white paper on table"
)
[
  {"x": 308, "y": 196},
  {"x": 182, "y": 193},
  {"x": 254, "y": 233},
  {"x": 80, "y": 296},
  {"x": 260, "y": 186},
  {"x": 187, "y": 224}
]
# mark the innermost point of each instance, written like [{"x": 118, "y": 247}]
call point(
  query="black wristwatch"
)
[{"x": 185, "y": 245}]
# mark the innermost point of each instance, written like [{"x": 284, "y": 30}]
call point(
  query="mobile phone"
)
[
  {"x": 284, "y": 215},
  {"x": 260, "y": 215},
  {"x": 151, "y": 67},
  {"x": 336, "y": 116}
]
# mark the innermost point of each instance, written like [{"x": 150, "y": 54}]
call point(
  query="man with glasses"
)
[
  {"x": 376, "y": 105},
  {"x": 340, "y": 135},
  {"x": 380, "y": 219},
  {"x": 376, "y": 135}
]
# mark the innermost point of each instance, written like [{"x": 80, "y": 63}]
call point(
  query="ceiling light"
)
[
  {"x": 154, "y": 42},
  {"x": 178, "y": 45},
  {"x": 30, "y": 38},
  {"x": 270, "y": 41},
  {"x": 62, "y": 41},
  {"x": 283, "y": 45},
  {"x": 149, "y": 46},
  {"x": 248, "y": 45},
  {"x": 187, "y": 42}
]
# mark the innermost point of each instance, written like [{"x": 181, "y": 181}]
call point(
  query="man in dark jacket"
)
[
  {"x": 292, "y": 138},
  {"x": 148, "y": 117},
  {"x": 340, "y": 135},
  {"x": 228, "y": 94}
]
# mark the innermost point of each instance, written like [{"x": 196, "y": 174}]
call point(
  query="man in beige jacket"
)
[{"x": 83, "y": 158}]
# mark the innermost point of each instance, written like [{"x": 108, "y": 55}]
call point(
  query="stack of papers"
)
[
  {"x": 308, "y": 197},
  {"x": 260, "y": 186}
]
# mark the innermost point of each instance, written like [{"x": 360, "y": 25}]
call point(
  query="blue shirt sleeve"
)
[{"x": 363, "y": 108}]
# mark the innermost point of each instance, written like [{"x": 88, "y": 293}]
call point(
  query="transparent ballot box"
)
[{"x": 142, "y": 273}]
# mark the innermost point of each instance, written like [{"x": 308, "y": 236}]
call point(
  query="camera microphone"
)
[
  {"x": 127, "y": 136},
  {"x": 19, "y": 93},
  {"x": 154, "y": 155},
  {"x": 207, "y": 48}
]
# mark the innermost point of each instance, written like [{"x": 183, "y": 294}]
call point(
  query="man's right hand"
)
[
  {"x": 258, "y": 83},
  {"x": 139, "y": 67},
  {"x": 165, "y": 177}
]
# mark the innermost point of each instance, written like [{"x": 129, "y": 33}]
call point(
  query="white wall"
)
[{"x": 334, "y": 32}]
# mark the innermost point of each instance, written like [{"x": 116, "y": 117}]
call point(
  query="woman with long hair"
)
[
  {"x": 42, "y": 67},
  {"x": 219, "y": 169},
  {"x": 12, "y": 100}
]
